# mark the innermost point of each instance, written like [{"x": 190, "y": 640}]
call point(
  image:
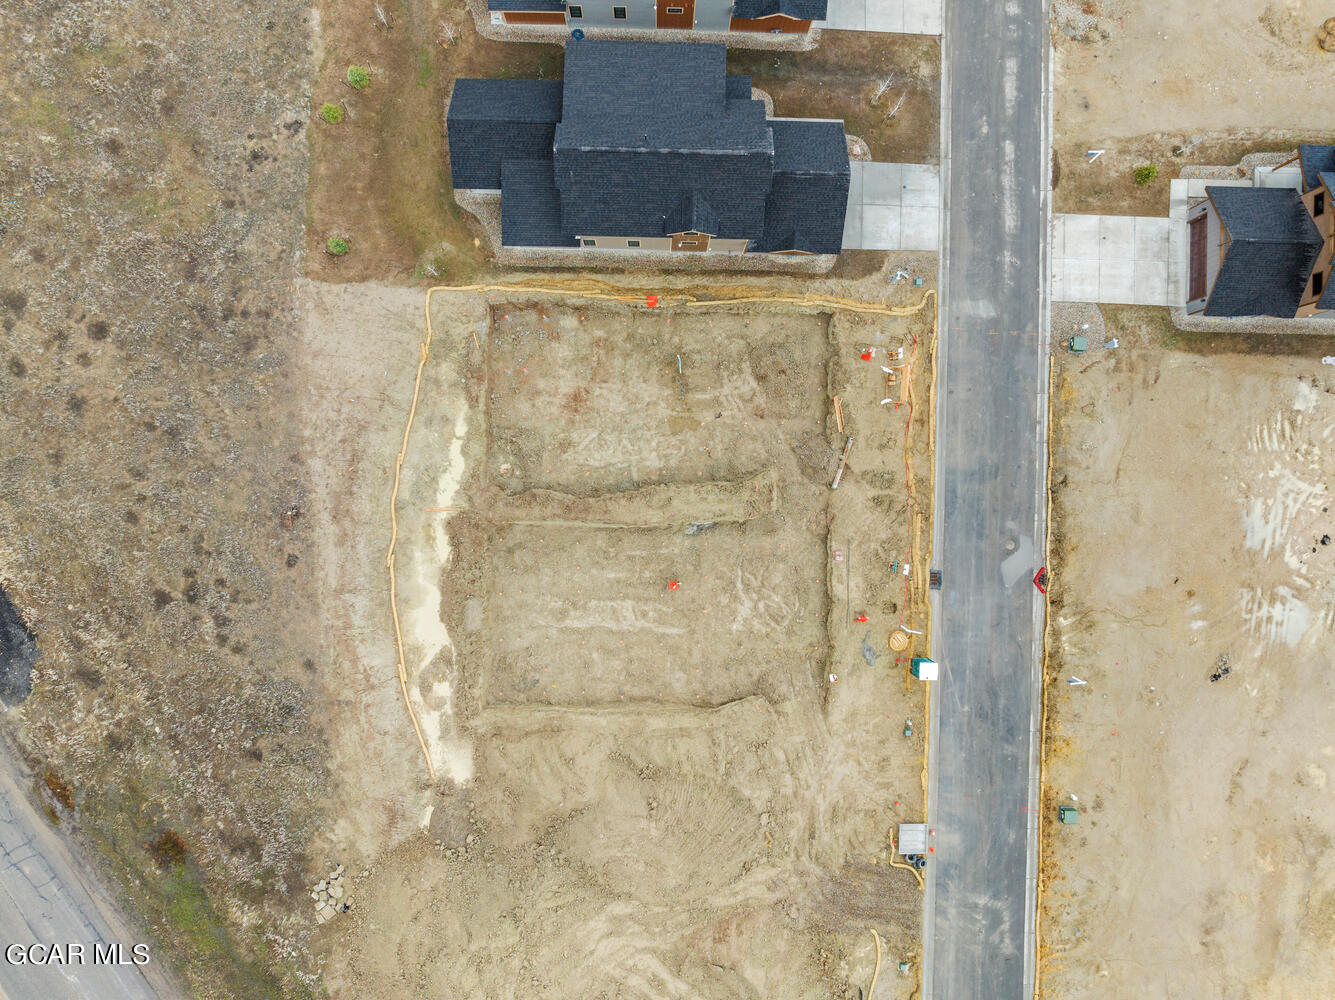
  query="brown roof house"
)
[{"x": 1256, "y": 251}]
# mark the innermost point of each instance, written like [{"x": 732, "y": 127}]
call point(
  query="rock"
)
[
  {"x": 321, "y": 886},
  {"x": 337, "y": 893}
]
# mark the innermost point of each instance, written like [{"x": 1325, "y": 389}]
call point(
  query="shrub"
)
[
  {"x": 1146, "y": 173},
  {"x": 337, "y": 246},
  {"x": 167, "y": 849},
  {"x": 358, "y": 77},
  {"x": 331, "y": 113}
]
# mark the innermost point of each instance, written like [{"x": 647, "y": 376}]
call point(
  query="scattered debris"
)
[
  {"x": 700, "y": 527},
  {"x": 848, "y": 446},
  {"x": 1221, "y": 668},
  {"x": 330, "y": 895}
]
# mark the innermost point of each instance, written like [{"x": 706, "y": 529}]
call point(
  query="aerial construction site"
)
[{"x": 646, "y": 643}]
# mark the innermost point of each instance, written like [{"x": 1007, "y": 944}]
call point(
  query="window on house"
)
[
  {"x": 1318, "y": 283},
  {"x": 632, "y": 244},
  {"x": 1319, "y": 203},
  {"x": 576, "y": 10},
  {"x": 689, "y": 243},
  {"x": 588, "y": 243},
  {"x": 676, "y": 10},
  {"x": 690, "y": 234},
  {"x": 619, "y": 13}
]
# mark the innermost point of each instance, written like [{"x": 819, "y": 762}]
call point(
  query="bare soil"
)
[
  {"x": 1164, "y": 83},
  {"x": 643, "y": 790},
  {"x": 841, "y": 78},
  {"x": 381, "y": 178},
  {"x": 1194, "y": 592}
]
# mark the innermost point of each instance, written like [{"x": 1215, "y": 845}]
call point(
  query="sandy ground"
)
[
  {"x": 1193, "y": 497},
  {"x": 642, "y": 792},
  {"x": 1141, "y": 78}
]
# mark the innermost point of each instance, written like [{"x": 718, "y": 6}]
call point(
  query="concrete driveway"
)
[
  {"x": 914, "y": 17},
  {"x": 893, "y": 206},
  {"x": 1130, "y": 260}
]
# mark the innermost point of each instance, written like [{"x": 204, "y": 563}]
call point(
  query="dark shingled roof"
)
[
  {"x": 809, "y": 197},
  {"x": 655, "y": 96},
  {"x": 652, "y": 139},
  {"x": 530, "y": 206},
  {"x": 1327, "y": 178},
  {"x": 736, "y": 88},
  {"x": 1315, "y": 160},
  {"x": 1327, "y": 300},
  {"x": 1273, "y": 245},
  {"x": 692, "y": 215},
  {"x": 493, "y": 119},
  {"x": 645, "y": 124},
  {"x": 803, "y": 10}
]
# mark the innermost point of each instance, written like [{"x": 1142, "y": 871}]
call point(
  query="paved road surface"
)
[
  {"x": 46, "y": 897},
  {"x": 991, "y": 459}
]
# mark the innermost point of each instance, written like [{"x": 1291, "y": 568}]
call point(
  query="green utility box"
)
[
  {"x": 1078, "y": 344},
  {"x": 924, "y": 669},
  {"x": 1068, "y": 815}
]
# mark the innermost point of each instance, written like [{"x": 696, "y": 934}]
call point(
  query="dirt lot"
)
[
  {"x": 1141, "y": 79},
  {"x": 841, "y": 77},
  {"x": 645, "y": 791},
  {"x": 1203, "y": 862}
]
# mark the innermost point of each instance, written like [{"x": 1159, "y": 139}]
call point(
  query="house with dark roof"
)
[
  {"x": 605, "y": 18},
  {"x": 1265, "y": 251},
  {"x": 648, "y": 146}
]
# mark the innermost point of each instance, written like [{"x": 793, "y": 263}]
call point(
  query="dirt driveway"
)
[{"x": 1195, "y": 594}]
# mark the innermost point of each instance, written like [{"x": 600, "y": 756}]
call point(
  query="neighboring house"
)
[
  {"x": 648, "y": 146},
  {"x": 776, "y": 16},
  {"x": 1265, "y": 251}
]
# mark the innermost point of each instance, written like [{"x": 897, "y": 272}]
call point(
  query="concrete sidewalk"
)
[
  {"x": 914, "y": 17},
  {"x": 1123, "y": 259},
  {"x": 893, "y": 206}
]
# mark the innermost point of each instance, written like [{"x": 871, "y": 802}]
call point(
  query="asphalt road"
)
[
  {"x": 46, "y": 897},
  {"x": 991, "y": 459}
]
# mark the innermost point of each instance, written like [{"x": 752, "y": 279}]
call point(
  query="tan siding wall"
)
[
  {"x": 661, "y": 243},
  {"x": 775, "y": 22}
]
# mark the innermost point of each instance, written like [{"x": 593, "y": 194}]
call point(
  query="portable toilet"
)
[
  {"x": 1068, "y": 815},
  {"x": 924, "y": 669}
]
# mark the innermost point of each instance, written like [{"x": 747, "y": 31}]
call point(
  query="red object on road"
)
[
  {"x": 1041, "y": 579},
  {"x": 865, "y": 355},
  {"x": 651, "y": 301},
  {"x": 860, "y": 619},
  {"x": 673, "y": 585}
]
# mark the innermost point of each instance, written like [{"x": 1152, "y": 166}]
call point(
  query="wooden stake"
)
[
  {"x": 839, "y": 414},
  {"x": 842, "y": 462}
]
